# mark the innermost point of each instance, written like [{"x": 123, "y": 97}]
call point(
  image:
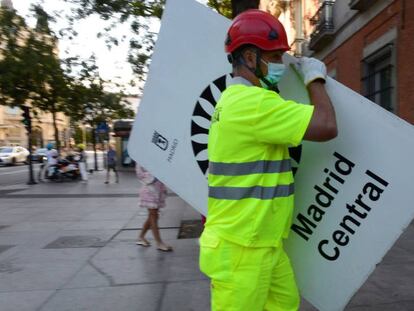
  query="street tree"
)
[
  {"x": 88, "y": 99},
  {"x": 139, "y": 14},
  {"x": 90, "y": 103},
  {"x": 223, "y": 7},
  {"x": 30, "y": 70},
  {"x": 109, "y": 107},
  {"x": 32, "y": 73},
  {"x": 51, "y": 81},
  {"x": 17, "y": 67}
]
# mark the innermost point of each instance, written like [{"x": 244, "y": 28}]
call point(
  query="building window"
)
[{"x": 378, "y": 79}]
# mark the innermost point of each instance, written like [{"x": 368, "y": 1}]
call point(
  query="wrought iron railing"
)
[{"x": 323, "y": 19}]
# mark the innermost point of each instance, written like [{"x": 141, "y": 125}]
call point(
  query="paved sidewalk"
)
[{"x": 71, "y": 246}]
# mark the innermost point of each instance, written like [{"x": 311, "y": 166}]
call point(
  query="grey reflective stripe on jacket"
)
[
  {"x": 257, "y": 167},
  {"x": 256, "y": 192}
]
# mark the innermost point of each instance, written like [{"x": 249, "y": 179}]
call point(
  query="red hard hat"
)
[{"x": 258, "y": 28}]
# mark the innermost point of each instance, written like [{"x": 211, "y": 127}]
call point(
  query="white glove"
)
[{"x": 311, "y": 69}]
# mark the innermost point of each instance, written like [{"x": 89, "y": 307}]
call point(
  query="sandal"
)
[
  {"x": 144, "y": 243},
  {"x": 165, "y": 248}
]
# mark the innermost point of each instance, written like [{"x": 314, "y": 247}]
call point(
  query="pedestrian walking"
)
[
  {"x": 82, "y": 163},
  {"x": 251, "y": 185},
  {"x": 152, "y": 196},
  {"x": 111, "y": 164}
]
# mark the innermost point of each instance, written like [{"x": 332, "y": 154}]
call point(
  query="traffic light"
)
[{"x": 27, "y": 120}]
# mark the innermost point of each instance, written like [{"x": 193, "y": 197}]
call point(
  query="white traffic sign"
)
[{"x": 353, "y": 195}]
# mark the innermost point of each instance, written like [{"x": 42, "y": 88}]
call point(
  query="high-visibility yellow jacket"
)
[{"x": 251, "y": 187}]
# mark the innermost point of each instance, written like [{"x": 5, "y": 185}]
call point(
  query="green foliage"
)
[
  {"x": 137, "y": 13},
  {"x": 123, "y": 9},
  {"x": 31, "y": 72},
  {"x": 78, "y": 135},
  {"x": 29, "y": 67},
  {"x": 88, "y": 101},
  {"x": 223, "y": 7},
  {"x": 17, "y": 73}
]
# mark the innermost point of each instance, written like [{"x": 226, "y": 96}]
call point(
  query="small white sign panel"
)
[{"x": 353, "y": 196}]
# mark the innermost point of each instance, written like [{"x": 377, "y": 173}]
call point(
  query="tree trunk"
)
[
  {"x": 29, "y": 160},
  {"x": 239, "y": 6},
  {"x": 56, "y": 132}
]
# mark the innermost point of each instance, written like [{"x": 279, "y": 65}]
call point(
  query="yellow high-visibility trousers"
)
[{"x": 247, "y": 278}]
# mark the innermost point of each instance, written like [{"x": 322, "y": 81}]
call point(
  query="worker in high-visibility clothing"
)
[{"x": 251, "y": 186}]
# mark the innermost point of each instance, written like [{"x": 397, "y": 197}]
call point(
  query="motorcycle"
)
[{"x": 67, "y": 168}]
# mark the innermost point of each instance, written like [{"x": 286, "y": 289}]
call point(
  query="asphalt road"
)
[{"x": 19, "y": 174}]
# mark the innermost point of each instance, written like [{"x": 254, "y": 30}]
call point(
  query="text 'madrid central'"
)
[{"x": 357, "y": 211}]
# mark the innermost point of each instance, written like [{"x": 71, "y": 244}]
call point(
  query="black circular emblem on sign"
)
[{"x": 201, "y": 120}]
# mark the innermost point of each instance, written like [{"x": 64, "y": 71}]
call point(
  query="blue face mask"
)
[{"x": 275, "y": 72}]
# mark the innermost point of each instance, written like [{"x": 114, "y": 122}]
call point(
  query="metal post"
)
[
  {"x": 94, "y": 147},
  {"x": 28, "y": 126}
]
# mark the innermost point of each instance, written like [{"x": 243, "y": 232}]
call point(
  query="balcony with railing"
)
[
  {"x": 324, "y": 26},
  {"x": 361, "y": 5}
]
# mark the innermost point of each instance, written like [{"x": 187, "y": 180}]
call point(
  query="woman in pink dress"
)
[{"x": 152, "y": 197}]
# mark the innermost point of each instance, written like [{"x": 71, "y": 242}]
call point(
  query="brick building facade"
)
[{"x": 368, "y": 46}]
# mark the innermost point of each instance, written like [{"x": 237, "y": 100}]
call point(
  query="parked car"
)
[
  {"x": 13, "y": 154},
  {"x": 39, "y": 155}
]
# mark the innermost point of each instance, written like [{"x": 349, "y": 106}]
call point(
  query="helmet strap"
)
[{"x": 258, "y": 71}]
